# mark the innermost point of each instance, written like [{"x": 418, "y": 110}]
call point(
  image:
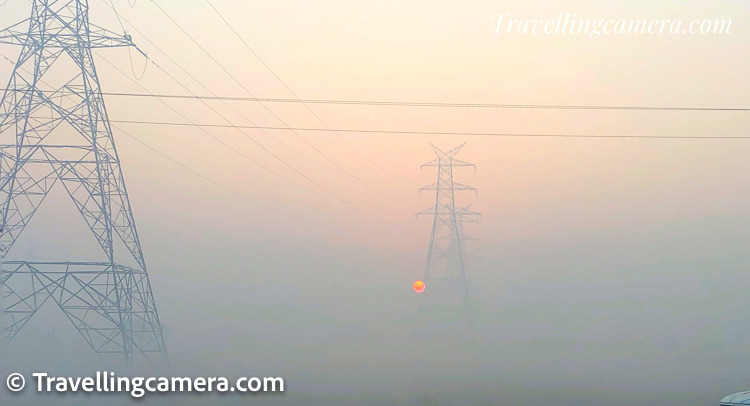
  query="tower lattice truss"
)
[
  {"x": 446, "y": 257},
  {"x": 54, "y": 129}
]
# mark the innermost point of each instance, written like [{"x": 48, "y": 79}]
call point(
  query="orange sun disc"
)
[{"x": 418, "y": 286}]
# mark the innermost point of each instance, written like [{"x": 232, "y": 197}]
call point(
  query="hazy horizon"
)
[{"x": 607, "y": 271}]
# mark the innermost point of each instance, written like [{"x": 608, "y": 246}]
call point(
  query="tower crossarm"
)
[
  {"x": 434, "y": 162},
  {"x": 427, "y": 212},
  {"x": 458, "y": 162},
  {"x": 13, "y": 35},
  {"x": 447, "y": 212},
  {"x": 447, "y": 158},
  {"x": 63, "y": 36},
  {"x": 98, "y": 38},
  {"x": 465, "y": 211},
  {"x": 465, "y": 220},
  {"x": 456, "y": 186},
  {"x": 448, "y": 161},
  {"x": 464, "y": 237},
  {"x": 103, "y": 38}
]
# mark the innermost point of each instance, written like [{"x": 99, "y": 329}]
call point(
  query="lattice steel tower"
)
[
  {"x": 446, "y": 257},
  {"x": 54, "y": 129}
]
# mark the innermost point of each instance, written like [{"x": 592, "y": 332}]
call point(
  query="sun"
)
[{"x": 418, "y": 286}]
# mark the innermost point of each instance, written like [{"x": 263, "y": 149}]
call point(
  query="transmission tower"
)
[
  {"x": 54, "y": 129},
  {"x": 446, "y": 257}
]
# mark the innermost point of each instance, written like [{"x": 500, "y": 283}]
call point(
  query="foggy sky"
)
[{"x": 608, "y": 272}]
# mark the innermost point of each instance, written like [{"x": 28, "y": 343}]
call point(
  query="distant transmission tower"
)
[
  {"x": 446, "y": 257},
  {"x": 54, "y": 128}
]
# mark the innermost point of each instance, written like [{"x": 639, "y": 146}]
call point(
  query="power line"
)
[
  {"x": 233, "y": 149},
  {"x": 230, "y": 190},
  {"x": 457, "y": 133},
  {"x": 183, "y": 116},
  {"x": 260, "y": 165},
  {"x": 233, "y": 126},
  {"x": 268, "y": 109},
  {"x": 429, "y": 104},
  {"x": 296, "y": 98},
  {"x": 238, "y": 128},
  {"x": 120, "y": 17},
  {"x": 203, "y": 176},
  {"x": 212, "y": 135},
  {"x": 187, "y": 168},
  {"x": 242, "y": 154}
]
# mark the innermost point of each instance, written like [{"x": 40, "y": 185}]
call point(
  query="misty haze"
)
[{"x": 382, "y": 203}]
